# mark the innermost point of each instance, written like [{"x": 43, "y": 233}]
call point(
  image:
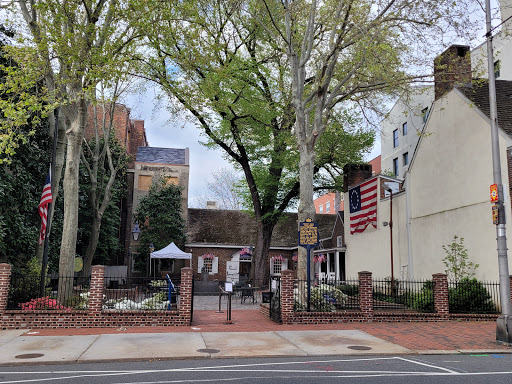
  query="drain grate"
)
[
  {"x": 208, "y": 350},
  {"x": 29, "y": 356},
  {"x": 359, "y": 348}
]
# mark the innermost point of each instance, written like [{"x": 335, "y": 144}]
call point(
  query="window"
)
[
  {"x": 321, "y": 209},
  {"x": 497, "y": 67},
  {"x": 276, "y": 268},
  {"x": 144, "y": 183},
  {"x": 327, "y": 207},
  {"x": 424, "y": 113},
  {"x": 395, "y": 166},
  {"x": 207, "y": 265},
  {"x": 404, "y": 128},
  {"x": 406, "y": 158},
  {"x": 395, "y": 138}
]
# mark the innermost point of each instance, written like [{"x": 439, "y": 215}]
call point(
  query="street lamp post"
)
[
  {"x": 136, "y": 232},
  {"x": 504, "y": 322}
]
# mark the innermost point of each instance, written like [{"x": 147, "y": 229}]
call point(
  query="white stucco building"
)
[{"x": 446, "y": 188}]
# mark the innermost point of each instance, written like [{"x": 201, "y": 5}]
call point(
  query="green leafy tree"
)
[
  {"x": 457, "y": 262},
  {"x": 160, "y": 217},
  {"x": 341, "y": 54},
  {"x": 22, "y": 176},
  {"x": 72, "y": 45},
  {"x": 220, "y": 69}
]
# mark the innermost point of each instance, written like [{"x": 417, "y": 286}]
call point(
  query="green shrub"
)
[
  {"x": 424, "y": 300},
  {"x": 470, "y": 296},
  {"x": 349, "y": 289}
]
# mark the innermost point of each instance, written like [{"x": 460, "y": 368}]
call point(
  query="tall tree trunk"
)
[
  {"x": 74, "y": 136},
  {"x": 92, "y": 245},
  {"x": 260, "y": 266},
  {"x": 306, "y": 205},
  {"x": 59, "y": 166}
]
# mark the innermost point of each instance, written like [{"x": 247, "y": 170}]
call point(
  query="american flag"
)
[
  {"x": 363, "y": 206},
  {"x": 46, "y": 198}
]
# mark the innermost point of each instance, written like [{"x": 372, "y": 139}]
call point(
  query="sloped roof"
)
[
  {"x": 161, "y": 155},
  {"x": 225, "y": 227},
  {"x": 479, "y": 95}
]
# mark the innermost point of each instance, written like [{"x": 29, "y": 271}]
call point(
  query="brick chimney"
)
[
  {"x": 354, "y": 174},
  {"x": 452, "y": 67}
]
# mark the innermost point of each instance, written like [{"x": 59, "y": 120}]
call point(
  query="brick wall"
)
[
  {"x": 441, "y": 305},
  {"x": 366, "y": 294},
  {"x": 287, "y": 299},
  {"x": 5, "y": 276},
  {"x": 366, "y": 311},
  {"x": 94, "y": 316}
]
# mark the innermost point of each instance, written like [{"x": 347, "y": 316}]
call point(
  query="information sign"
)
[
  {"x": 308, "y": 234},
  {"x": 495, "y": 214},
  {"x": 494, "y": 193}
]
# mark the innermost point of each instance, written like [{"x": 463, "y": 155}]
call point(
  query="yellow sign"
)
[
  {"x": 495, "y": 214},
  {"x": 308, "y": 233},
  {"x": 494, "y": 193}
]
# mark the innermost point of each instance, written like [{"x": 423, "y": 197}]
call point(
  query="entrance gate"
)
[{"x": 275, "y": 299}]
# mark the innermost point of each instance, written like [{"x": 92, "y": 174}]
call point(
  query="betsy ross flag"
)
[
  {"x": 363, "y": 206},
  {"x": 46, "y": 198}
]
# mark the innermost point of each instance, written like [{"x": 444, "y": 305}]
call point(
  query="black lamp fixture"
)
[{"x": 136, "y": 232}]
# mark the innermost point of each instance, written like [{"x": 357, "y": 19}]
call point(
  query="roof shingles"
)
[
  {"x": 161, "y": 155},
  {"x": 478, "y": 93}
]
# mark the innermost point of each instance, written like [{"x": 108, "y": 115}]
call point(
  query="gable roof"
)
[
  {"x": 161, "y": 155},
  {"x": 226, "y": 227},
  {"x": 479, "y": 95}
]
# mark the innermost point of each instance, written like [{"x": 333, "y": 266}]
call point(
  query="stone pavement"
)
[{"x": 250, "y": 335}]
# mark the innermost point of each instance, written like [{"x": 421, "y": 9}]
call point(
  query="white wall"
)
[
  {"x": 371, "y": 250},
  {"x": 450, "y": 179},
  {"x": 449, "y": 192},
  {"x": 408, "y": 109}
]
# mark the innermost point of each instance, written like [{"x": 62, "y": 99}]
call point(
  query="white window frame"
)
[{"x": 214, "y": 265}]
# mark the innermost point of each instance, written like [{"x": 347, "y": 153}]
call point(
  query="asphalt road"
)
[{"x": 440, "y": 369}]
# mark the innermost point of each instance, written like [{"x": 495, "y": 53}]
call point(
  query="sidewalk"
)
[{"x": 250, "y": 335}]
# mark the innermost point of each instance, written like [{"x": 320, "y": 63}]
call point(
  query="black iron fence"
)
[
  {"x": 141, "y": 293},
  {"x": 328, "y": 296},
  {"x": 473, "y": 296},
  {"x": 64, "y": 293},
  {"x": 405, "y": 296}
]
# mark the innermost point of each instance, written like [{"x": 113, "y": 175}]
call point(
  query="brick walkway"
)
[{"x": 416, "y": 336}]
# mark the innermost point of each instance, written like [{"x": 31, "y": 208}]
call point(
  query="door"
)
[{"x": 232, "y": 271}]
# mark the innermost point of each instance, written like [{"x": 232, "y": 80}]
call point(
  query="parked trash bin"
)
[{"x": 266, "y": 296}]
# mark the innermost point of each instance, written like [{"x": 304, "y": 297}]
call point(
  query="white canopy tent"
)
[{"x": 169, "y": 252}]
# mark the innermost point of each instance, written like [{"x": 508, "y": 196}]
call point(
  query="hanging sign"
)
[
  {"x": 495, "y": 214},
  {"x": 308, "y": 234},
  {"x": 494, "y": 193}
]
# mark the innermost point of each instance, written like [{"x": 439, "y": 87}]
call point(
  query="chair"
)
[
  {"x": 247, "y": 292},
  {"x": 331, "y": 278},
  {"x": 321, "y": 277}
]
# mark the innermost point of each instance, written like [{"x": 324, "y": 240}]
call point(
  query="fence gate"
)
[{"x": 275, "y": 299}]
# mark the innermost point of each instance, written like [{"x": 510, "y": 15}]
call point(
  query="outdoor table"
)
[{"x": 247, "y": 292}]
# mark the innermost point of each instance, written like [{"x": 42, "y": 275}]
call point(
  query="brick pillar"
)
[
  {"x": 97, "y": 289},
  {"x": 366, "y": 294},
  {"x": 440, "y": 281},
  {"x": 287, "y": 299},
  {"x": 5, "y": 280},
  {"x": 185, "y": 306}
]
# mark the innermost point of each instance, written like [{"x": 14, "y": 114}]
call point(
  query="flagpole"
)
[{"x": 44, "y": 265}]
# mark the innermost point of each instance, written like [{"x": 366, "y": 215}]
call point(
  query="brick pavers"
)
[{"x": 415, "y": 336}]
